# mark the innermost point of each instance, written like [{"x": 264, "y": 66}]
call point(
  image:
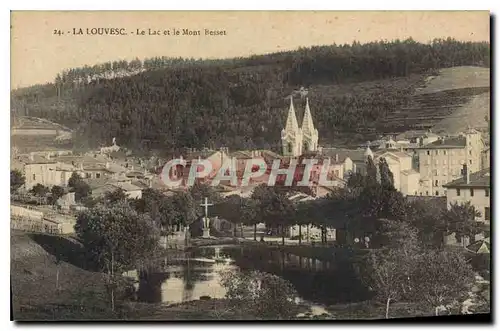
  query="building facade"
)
[
  {"x": 441, "y": 161},
  {"x": 295, "y": 140},
  {"x": 474, "y": 189}
]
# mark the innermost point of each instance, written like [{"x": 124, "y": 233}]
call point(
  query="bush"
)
[{"x": 264, "y": 295}]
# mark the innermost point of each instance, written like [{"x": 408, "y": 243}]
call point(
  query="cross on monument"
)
[{"x": 206, "y": 205}]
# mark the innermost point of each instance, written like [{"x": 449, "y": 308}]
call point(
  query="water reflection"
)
[{"x": 194, "y": 274}]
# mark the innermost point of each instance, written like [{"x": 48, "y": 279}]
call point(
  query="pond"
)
[{"x": 196, "y": 273}]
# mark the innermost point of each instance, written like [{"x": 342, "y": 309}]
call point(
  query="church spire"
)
[
  {"x": 291, "y": 121},
  {"x": 307, "y": 122}
]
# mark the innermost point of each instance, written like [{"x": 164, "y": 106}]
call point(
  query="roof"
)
[
  {"x": 481, "y": 246},
  {"x": 126, "y": 186},
  {"x": 409, "y": 172},
  {"x": 95, "y": 183},
  {"x": 353, "y": 154},
  {"x": 190, "y": 155},
  {"x": 477, "y": 179},
  {"x": 397, "y": 153},
  {"x": 450, "y": 142},
  {"x": 411, "y": 134},
  {"x": 241, "y": 154},
  {"x": 35, "y": 159}
]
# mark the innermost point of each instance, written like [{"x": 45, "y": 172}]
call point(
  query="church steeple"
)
[
  {"x": 310, "y": 134},
  {"x": 291, "y": 135},
  {"x": 291, "y": 121}
]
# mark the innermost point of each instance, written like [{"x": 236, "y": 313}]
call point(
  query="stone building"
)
[
  {"x": 441, "y": 161},
  {"x": 297, "y": 141}
]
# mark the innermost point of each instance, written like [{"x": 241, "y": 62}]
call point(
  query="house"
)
[
  {"x": 352, "y": 160},
  {"x": 132, "y": 191},
  {"x": 406, "y": 179},
  {"x": 474, "y": 188},
  {"x": 36, "y": 170},
  {"x": 441, "y": 161}
]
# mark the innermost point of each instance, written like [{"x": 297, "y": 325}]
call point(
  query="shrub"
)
[{"x": 265, "y": 295}]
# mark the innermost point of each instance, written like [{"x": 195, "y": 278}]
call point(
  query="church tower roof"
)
[
  {"x": 307, "y": 122},
  {"x": 291, "y": 121}
]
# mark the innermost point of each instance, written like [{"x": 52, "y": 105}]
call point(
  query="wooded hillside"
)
[{"x": 242, "y": 103}]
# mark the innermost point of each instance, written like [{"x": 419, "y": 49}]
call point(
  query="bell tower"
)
[
  {"x": 291, "y": 135},
  {"x": 309, "y": 132}
]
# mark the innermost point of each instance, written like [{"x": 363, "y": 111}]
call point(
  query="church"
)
[{"x": 298, "y": 141}]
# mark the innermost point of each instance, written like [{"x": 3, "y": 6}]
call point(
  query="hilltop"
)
[{"x": 356, "y": 93}]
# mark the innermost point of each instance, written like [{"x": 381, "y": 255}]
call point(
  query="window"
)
[
  {"x": 437, "y": 192},
  {"x": 436, "y": 161},
  {"x": 486, "y": 192},
  {"x": 336, "y": 173},
  {"x": 426, "y": 192},
  {"x": 470, "y": 152},
  {"x": 436, "y": 183},
  {"x": 458, "y": 192},
  {"x": 436, "y": 172},
  {"x": 289, "y": 147},
  {"x": 420, "y": 193},
  {"x": 470, "y": 161},
  {"x": 444, "y": 161},
  {"x": 487, "y": 213},
  {"x": 97, "y": 175},
  {"x": 444, "y": 152},
  {"x": 34, "y": 177},
  {"x": 415, "y": 192},
  {"x": 436, "y": 152},
  {"x": 471, "y": 192},
  {"x": 428, "y": 152}
]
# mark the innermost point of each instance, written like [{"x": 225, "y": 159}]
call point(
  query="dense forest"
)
[{"x": 165, "y": 103}]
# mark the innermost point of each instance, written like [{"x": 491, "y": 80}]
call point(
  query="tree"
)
[
  {"x": 384, "y": 276},
  {"x": 442, "y": 277},
  {"x": 427, "y": 218},
  {"x": 39, "y": 190},
  {"x": 265, "y": 295},
  {"x": 386, "y": 176},
  {"x": 115, "y": 196},
  {"x": 390, "y": 271},
  {"x": 200, "y": 191},
  {"x": 276, "y": 210},
  {"x": 116, "y": 238},
  {"x": 76, "y": 184},
  {"x": 460, "y": 219},
  {"x": 56, "y": 192},
  {"x": 238, "y": 210},
  {"x": 371, "y": 173},
  {"x": 17, "y": 180}
]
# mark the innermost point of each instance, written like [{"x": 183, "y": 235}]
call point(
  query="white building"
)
[
  {"x": 406, "y": 179},
  {"x": 475, "y": 189},
  {"x": 297, "y": 141},
  {"x": 441, "y": 161}
]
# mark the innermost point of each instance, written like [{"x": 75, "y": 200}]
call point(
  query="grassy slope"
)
[{"x": 81, "y": 294}]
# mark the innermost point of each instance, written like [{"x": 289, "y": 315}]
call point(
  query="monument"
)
[{"x": 206, "y": 220}]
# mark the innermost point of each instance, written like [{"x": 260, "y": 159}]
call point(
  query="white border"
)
[{"x": 188, "y": 5}]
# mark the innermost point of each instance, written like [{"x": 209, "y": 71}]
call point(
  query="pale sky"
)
[{"x": 37, "y": 55}]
